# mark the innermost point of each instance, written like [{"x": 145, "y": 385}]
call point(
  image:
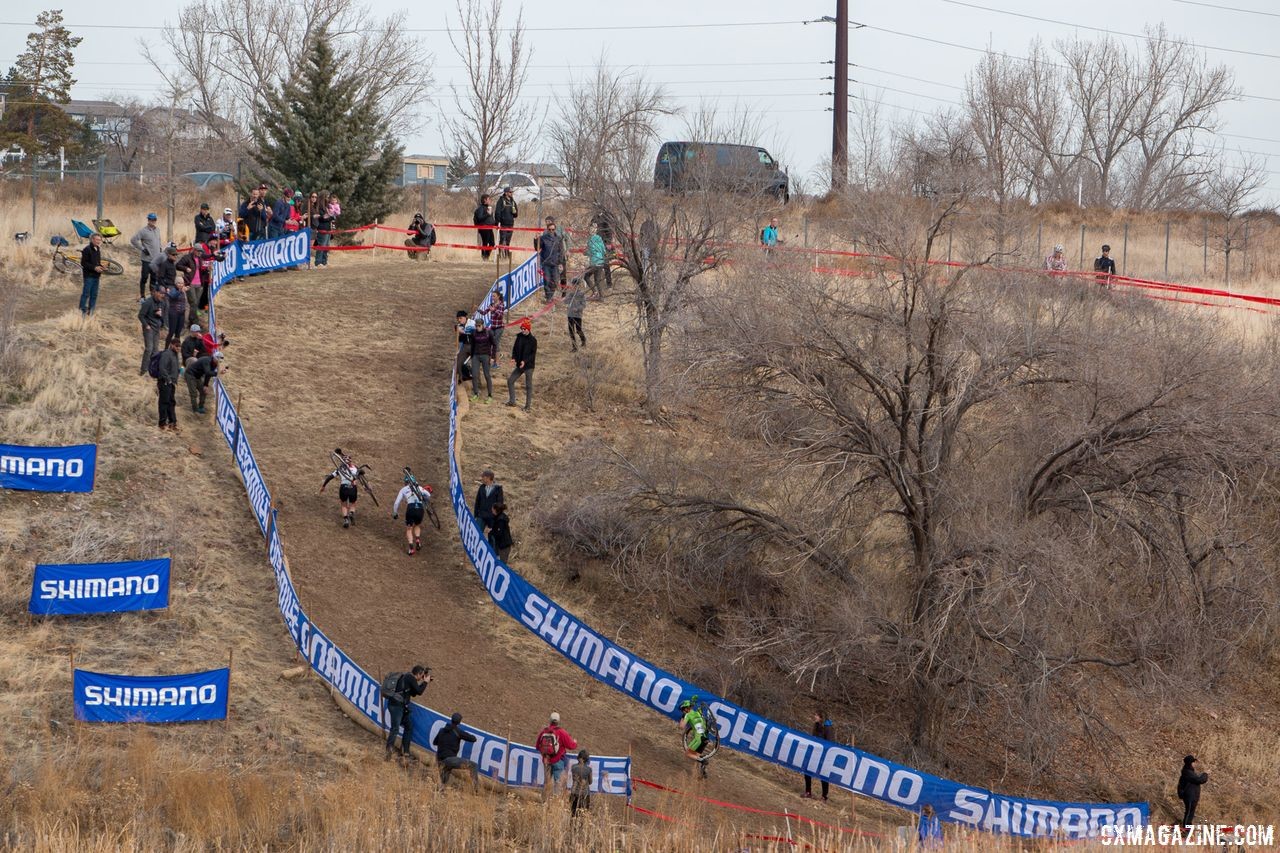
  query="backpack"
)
[
  {"x": 389, "y": 685},
  {"x": 548, "y": 744},
  {"x": 153, "y": 366}
]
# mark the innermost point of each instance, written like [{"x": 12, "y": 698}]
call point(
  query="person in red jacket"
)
[{"x": 553, "y": 745}]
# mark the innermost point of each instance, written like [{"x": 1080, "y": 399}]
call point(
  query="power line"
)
[
  {"x": 907, "y": 77},
  {"x": 629, "y": 27},
  {"x": 1112, "y": 32},
  {"x": 905, "y": 92},
  {"x": 987, "y": 50},
  {"x": 1228, "y": 8}
]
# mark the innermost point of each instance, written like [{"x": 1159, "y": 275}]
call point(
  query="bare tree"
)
[
  {"x": 1227, "y": 195},
  {"x": 870, "y": 135},
  {"x": 991, "y": 92},
  {"x": 492, "y": 122},
  {"x": 1042, "y": 116},
  {"x": 602, "y": 122},
  {"x": 230, "y": 54}
]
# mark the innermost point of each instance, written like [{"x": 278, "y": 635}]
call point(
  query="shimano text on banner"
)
[
  {"x": 48, "y": 469},
  {"x": 103, "y": 698},
  {"x": 517, "y": 285},
  {"x": 79, "y": 588},
  {"x": 261, "y": 256},
  {"x": 744, "y": 731}
]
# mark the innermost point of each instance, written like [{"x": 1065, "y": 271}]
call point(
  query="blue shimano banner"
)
[
  {"x": 496, "y": 757},
  {"x": 517, "y": 285},
  {"x": 250, "y": 258},
  {"x": 750, "y": 733},
  {"x": 48, "y": 469},
  {"x": 103, "y": 698},
  {"x": 79, "y": 588}
]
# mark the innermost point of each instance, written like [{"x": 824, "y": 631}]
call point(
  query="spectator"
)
[
  {"x": 256, "y": 213},
  {"x": 821, "y": 730},
  {"x": 523, "y": 355},
  {"x": 505, "y": 213},
  {"x": 175, "y": 295},
  {"x": 552, "y": 253},
  {"x": 605, "y": 230},
  {"x": 327, "y": 223},
  {"x": 483, "y": 215},
  {"x": 91, "y": 266},
  {"x": 1189, "y": 782},
  {"x": 1056, "y": 262},
  {"x": 769, "y": 236},
  {"x": 496, "y": 314},
  {"x": 448, "y": 742},
  {"x": 488, "y": 496},
  {"x": 279, "y": 214},
  {"x": 194, "y": 346},
  {"x": 1105, "y": 265},
  {"x": 199, "y": 373},
  {"x": 422, "y": 235},
  {"x": 295, "y": 222},
  {"x": 320, "y": 223},
  {"x": 170, "y": 368},
  {"x": 575, "y": 299},
  {"x": 151, "y": 314},
  {"x": 580, "y": 791},
  {"x": 597, "y": 262},
  {"x": 482, "y": 353},
  {"x": 165, "y": 267},
  {"x": 226, "y": 227},
  {"x": 553, "y": 742},
  {"x": 194, "y": 267},
  {"x": 500, "y": 531},
  {"x": 408, "y": 685},
  {"x": 929, "y": 829},
  {"x": 205, "y": 224},
  {"x": 147, "y": 242},
  {"x": 462, "y": 359}
]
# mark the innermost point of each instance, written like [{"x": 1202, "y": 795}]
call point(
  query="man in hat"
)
[
  {"x": 448, "y": 743},
  {"x": 205, "y": 224},
  {"x": 505, "y": 213},
  {"x": 1189, "y": 782},
  {"x": 280, "y": 214},
  {"x": 256, "y": 213},
  {"x": 226, "y": 227},
  {"x": 523, "y": 354},
  {"x": 147, "y": 242}
]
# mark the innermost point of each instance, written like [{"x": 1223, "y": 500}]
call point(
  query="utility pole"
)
[{"x": 840, "y": 111}]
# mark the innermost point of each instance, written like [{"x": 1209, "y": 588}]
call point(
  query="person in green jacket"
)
[
  {"x": 597, "y": 261},
  {"x": 693, "y": 728}
]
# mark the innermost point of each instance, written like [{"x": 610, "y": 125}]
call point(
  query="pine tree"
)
[
  {"x": 318, "y": 134},
  {"x": 40, "y": 79},
  {"x": 459, "y": 167}
]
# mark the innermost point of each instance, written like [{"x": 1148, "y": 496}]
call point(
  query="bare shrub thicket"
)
[
  {"x": 1089, "y": 119},
  {"x": 996, "y": 493}
]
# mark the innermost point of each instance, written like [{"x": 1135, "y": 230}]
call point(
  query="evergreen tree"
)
[
  {"x": 459, "y": 167},
  {"x": 318, "y": 133},
  {"x": 38, "y": 81}
]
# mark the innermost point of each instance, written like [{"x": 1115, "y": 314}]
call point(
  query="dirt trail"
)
[{"x": 358, "y": 357}]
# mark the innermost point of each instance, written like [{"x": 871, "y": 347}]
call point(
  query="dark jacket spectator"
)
[
  {"x": 166, "y": 271},
  {"x": 482, "y": 343},
  {"x": 203, "y": 369},
  {"x": 1189, "y": 782},
  {"x": 821, "y": 730},
  {"x": 188, "y": 264},
  {"x": 421, "y": 232},
  {"x": 206, "y": 225},
  {"x": 448, "y": 741},
  {"x": 506, "y": 211},
  {"x": 193, "y": 346},
  {"x": 552, "y": 249},
  {"x": 90, "y": 260},
  {"x": 152, "y": 311},
  {"x": 487, "y": 496},
  {"x": 279, "y": 213},
  {"x": 525, "y": 350},
  {"x": 169, "y": 365},
  {"x": 500, "y": 531},
  {"x": 483, "y": 215},
  {"x": 256, "y": 212}
]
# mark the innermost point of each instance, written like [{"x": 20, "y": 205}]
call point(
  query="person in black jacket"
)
[
  {"x": 199, "y": 372},
  {"x": 487, "y": 496},
  {"x": 422, "y": 235},
  {"x": 506, "y": 212},
  {"x": 91, "y": 266},
  {"x": 523, "y": 354},
  {"x": 448, "y": 741},
  {"x": 1189, "y": 783},
  {"x": 500, "y": 531},
  {"x": 205, "y": 225},
  {"x": 408, "y": 685},
  {"x": 821, "y": 730},
  {"x": 483, "y": 215},
  {"x": 1106, "y": 265}
]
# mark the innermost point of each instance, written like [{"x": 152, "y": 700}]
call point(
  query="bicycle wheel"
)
[
  {"x": 435, "y": 519},
  {"x": 365, "y": 483},
  {"x": 111, "y": 267},
  {"x": 63, "y": 263}
]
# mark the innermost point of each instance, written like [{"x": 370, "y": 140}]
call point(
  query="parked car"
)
[
  {"x": 524, "y": 186},
  {"x": 209, "y": 180},
  {"x": 687, "y": 166}
]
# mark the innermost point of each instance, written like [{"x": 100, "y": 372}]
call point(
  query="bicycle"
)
[
  {"x": 104, "y": 229},
  {"x": 342, "y": 460},
  {"x": 62, "y": 262},
  {"x": 412, "y": 482}
]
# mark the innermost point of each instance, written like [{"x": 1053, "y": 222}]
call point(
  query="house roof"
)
[
  {"x": 95, "y": 108},
  {"x": 426, "y": 159}
]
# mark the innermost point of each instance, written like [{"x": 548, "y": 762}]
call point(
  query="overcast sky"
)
[{"x": 775, "y": 67}]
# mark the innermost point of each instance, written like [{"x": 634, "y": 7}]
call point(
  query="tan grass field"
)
[{"x": 358, "y": 356}]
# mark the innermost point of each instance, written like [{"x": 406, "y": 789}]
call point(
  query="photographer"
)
[
  {"x": 422, "y": 235},
  {"x": 407, "y": 686}
]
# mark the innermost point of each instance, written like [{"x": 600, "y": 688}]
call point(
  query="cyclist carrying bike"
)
[
  {"x": 346, "y": 474},
  {"x": 693, "y": 729},
  {"x": 417, "y": 499}
]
